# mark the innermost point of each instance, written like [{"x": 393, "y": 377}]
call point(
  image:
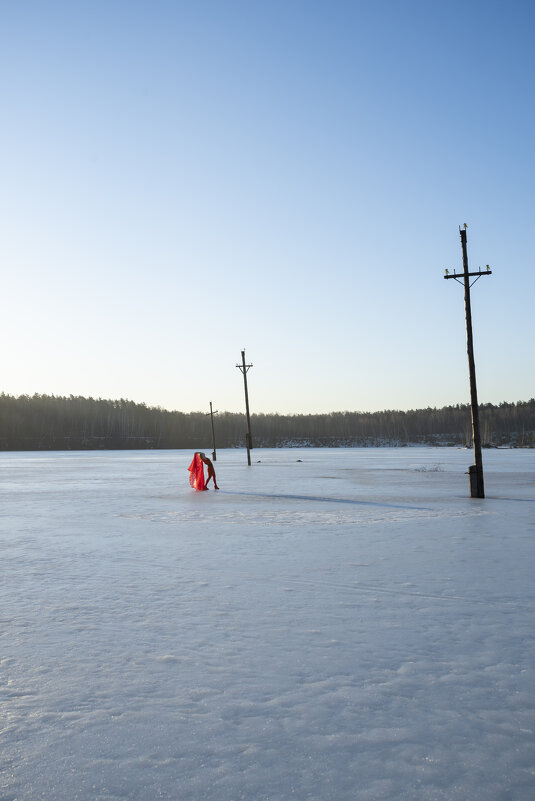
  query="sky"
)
[{"x": 182, "y": 181}]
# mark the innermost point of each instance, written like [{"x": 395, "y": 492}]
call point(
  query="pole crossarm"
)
[
  {"x": 459, "y": 277},
  {"x": 241, "y": 368}
]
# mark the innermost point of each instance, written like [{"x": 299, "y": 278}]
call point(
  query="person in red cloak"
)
[
  {"x": 196, "y": 473},
  {"x": 211, "y": 471}
]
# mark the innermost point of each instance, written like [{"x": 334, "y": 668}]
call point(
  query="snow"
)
[{"x": 350, "y": 626}]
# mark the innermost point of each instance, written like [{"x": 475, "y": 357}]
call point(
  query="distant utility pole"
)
[
  {"x": 249, "y": 441},
  {"x": 211, "y": 413},
  {"x": 475, "y": 471}
]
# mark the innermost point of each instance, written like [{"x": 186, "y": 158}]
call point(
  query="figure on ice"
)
[
  {"x": 211, "y": 471},
  {"x": 196, "y": 472}
]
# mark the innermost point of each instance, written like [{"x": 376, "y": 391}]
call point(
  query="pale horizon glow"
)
[{"x": 184, "y": 181}]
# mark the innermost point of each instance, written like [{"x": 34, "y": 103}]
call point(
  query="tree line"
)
[{"x": 48, "y": 422}]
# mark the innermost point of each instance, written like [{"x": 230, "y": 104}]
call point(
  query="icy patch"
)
[{"x": 293, "y": 636}]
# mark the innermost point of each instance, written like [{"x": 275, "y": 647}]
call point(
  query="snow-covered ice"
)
[{"x": 348, "y": 627}]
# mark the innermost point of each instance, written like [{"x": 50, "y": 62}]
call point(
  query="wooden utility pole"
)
[
  {"x": 211, "y": 413},
  {"x": 248, "y": 439},
  {"x": 475, "y": 471}
]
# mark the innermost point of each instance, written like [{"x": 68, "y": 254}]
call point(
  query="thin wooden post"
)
[
  {"x": 214, "y": 455},
  {"x": 475, "y": 471},
  {"x": 248, "y": 438},
  {"x": 477, "y": 486}
]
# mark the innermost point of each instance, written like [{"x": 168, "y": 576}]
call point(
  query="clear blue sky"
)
[{"x": 182, "y": 180}]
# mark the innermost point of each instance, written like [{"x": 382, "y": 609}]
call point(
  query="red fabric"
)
[{"x": 196, "y": 473}]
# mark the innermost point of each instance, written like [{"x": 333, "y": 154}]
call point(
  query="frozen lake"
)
[{"x": 348, "y": 627}]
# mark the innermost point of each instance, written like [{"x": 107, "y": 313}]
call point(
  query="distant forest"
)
[{"x": 44, "y": 422}]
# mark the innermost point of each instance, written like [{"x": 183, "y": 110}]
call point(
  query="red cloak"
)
[{"x": 196, "y": 473}]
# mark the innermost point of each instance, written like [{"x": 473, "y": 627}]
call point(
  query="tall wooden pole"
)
[
  {"x": 214, "y": 456},
  {"x": 477, "y": 486},
  {"x": 475, "y": 471},
  {"x": 249, "y": 440}
]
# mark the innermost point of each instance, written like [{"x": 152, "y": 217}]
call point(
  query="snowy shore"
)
[{"x": 347, "y": 627}]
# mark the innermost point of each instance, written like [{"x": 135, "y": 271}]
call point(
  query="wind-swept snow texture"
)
[{"x": 349, "y": 627}]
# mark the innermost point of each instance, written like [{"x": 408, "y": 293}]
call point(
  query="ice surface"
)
[{"x": 349, "y": 627}]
